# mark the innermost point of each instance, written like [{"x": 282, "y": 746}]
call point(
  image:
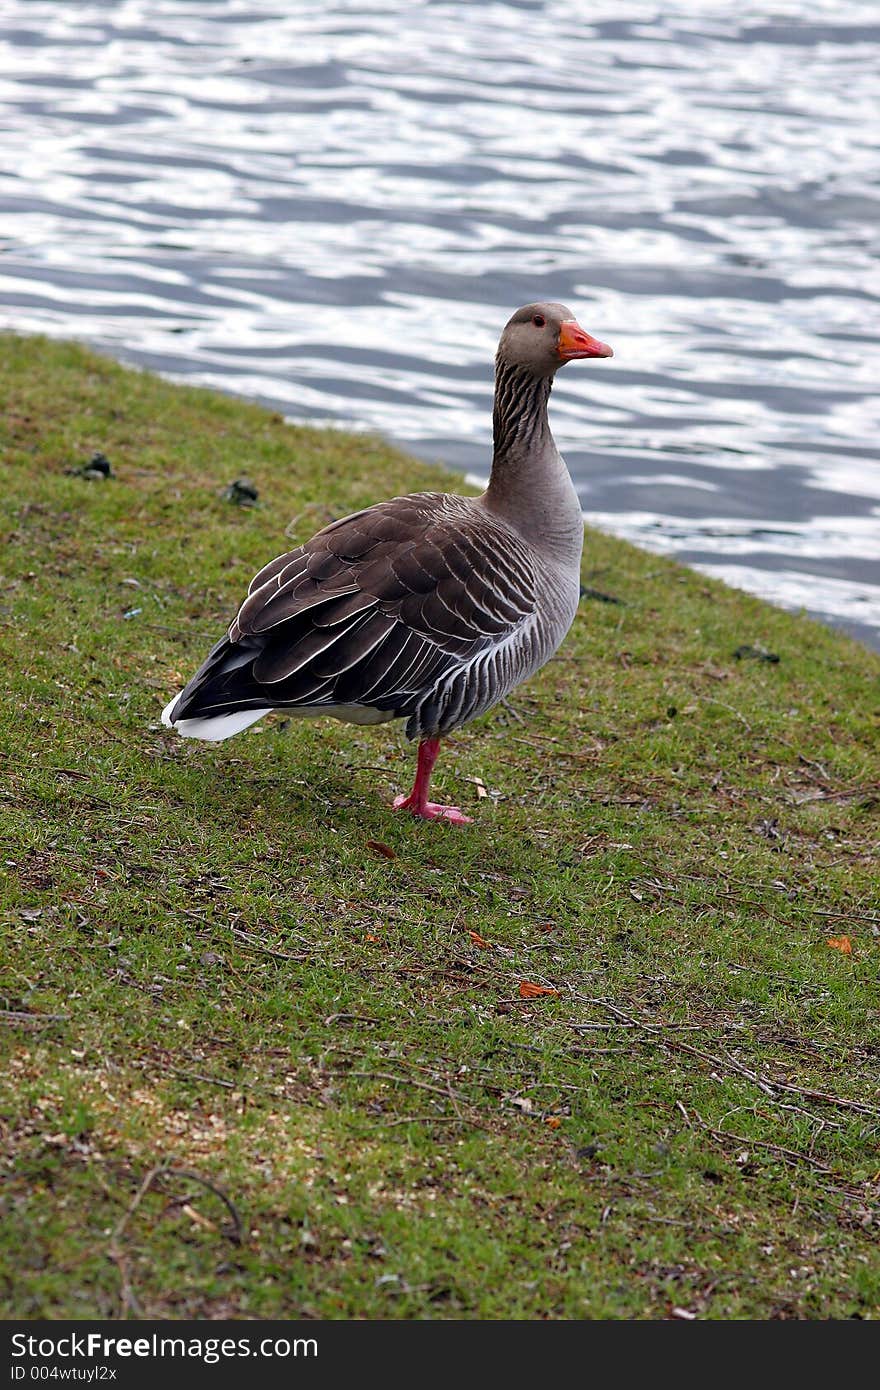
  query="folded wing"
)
[{"x": 384, "y": 610}]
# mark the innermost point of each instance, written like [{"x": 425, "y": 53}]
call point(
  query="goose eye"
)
[{"x": 538, "y": 320}]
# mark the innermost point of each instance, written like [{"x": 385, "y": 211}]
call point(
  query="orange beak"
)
[{"x": 574, "y": 342}]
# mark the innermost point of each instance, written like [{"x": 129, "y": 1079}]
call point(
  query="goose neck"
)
[
  {"x": 530, "y": 486},
  {"x": 519, "y": 418}
]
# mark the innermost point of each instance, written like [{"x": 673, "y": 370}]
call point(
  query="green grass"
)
[{"x": 265, "y": 1051}]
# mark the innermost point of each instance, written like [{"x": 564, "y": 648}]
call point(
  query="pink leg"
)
[{"x": 417, "y": 801}]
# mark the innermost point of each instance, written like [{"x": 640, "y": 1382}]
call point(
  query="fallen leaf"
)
[
  {"x": 530, "y": 991},
  {"x": 385, "y": 850},
  {"x": 368, "y": 936},
  {"x": 480, "y": 785},
  {"x": 522, "y": 1103},
  {"x": 840, "y": 943},
  {"x": 480, "y": 941},
  {"x": 552, "y": 1122}
]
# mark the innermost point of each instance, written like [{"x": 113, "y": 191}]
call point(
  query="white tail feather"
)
[{"x": 214, "y": 728}]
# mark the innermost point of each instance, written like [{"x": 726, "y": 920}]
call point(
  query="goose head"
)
[{"x": 542, "y": 337}]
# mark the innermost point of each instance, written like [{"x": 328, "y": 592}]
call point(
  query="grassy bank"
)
[{"x": 267, "y": 1046}]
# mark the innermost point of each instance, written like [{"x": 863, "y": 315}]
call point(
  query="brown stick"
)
[
  {"x": 19, "y": 1018},
  {"x": 198, "y": 1076},
  {"x": 724, "y": 1135},
  {"x": 237, "y": 1233},
  {"x": 127, "y": 1300}
]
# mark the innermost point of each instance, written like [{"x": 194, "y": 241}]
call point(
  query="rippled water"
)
[{"x": 335, "y": 206}]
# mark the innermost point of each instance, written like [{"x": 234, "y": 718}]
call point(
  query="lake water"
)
[{"x": 334, "y": 207}]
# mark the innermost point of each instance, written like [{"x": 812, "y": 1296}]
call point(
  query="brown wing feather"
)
[{"x": 375, "y": 609}]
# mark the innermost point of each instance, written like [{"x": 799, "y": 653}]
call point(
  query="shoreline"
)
[{"x": 655, "y": 533}]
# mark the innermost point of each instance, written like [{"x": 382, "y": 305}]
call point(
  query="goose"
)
[{"x": 430, "y": 607}]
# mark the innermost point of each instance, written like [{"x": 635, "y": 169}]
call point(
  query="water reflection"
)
[{"x": 334, "y": 207}]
